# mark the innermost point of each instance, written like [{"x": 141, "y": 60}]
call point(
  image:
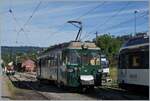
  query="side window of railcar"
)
[
  {"x": 49, "y": 62},
  {"x": 52, "y": 60},
  {"x": 73, "y": 57},
  {"x": 136, "y": 60},
  {"x": 45, "y": 62},
  {"x": 124, "y": 60},
  {"x": 146, "y": 59},
  {"x": 60, "y": 56},
  {"x": 59, "y": 59},
  {"x": 64, "y": 57}
]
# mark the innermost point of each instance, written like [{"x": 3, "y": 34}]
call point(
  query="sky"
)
[{"x": 44, "y": 23}]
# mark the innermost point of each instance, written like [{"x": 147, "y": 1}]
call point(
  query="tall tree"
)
[{"x": 109, "y": 45}]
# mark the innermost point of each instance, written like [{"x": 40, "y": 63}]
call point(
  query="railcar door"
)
[
  {"x": 40, "y": 67},
  {"x": 123, "y": 66},
  {"x": 58, "y": 64}
]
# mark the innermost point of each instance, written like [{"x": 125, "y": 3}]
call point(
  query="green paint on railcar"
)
[
  {"x": 76, "y": 66},
  {"x": 73, "y": 77},
  {"x": 68, "y": 63}
]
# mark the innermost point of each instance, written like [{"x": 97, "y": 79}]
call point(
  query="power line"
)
[
  {"x": 11, "y": 12},
  {"x": 62, "y": 27},
  {"x": 111, "y": 17},
  {"x": 30, "y": 17},
  {"x": 142, "y": 17},
  {"x": 137, "y": 27},
  {"x": 13, "y": 15},
  {"x": 15, "y": 19},
  {"x": 89, "y": 11},
  {"x": 111, "y": 27},
  {"x": 57, "y": 31}
]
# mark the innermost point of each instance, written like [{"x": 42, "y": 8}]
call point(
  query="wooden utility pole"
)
[{"x": 96, "y": 37}]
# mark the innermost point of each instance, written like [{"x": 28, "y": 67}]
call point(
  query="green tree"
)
[{"x": 109, "y": 45}]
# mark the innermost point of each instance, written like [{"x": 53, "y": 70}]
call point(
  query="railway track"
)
[
  {"x": 31, "y": 78},
  {"x": 14, "y": 78},
  {"x": 123, "y": 94},
  {"x": 104, "y": 92}
]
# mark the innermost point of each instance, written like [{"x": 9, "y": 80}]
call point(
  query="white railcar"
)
[{"x": 133, "y": 72}]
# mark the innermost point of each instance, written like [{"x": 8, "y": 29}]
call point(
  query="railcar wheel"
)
[
  {"x": 39, "y": 82},
  {"x": 81, "y": 89},
  {"x": 58, "y": 85},
  {"x": 91, "y": 88}
]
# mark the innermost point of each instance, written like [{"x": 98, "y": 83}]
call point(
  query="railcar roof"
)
[
  {"x": 90, "y": 45},
  {"x": 72, "y": 45},
  {"x": 136, "y": 42}
]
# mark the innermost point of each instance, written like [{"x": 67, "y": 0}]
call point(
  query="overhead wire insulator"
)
[{"x": 10, "y": 11}]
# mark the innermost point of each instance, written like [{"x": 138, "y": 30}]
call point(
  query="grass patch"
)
[
  {"x": 11, "y": 88},
  {"x": 114, "y": 74},
  {"x": 15, "y": 92}
]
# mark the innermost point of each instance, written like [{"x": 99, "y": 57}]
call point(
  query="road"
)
[{"x": 27, "y": 81}]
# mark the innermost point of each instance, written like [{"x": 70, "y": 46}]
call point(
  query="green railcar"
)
[{"x": 73, "y": 64}]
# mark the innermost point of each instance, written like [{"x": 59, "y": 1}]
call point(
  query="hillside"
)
[
  {"x": 9, "y": 53},
  {"x": 21, "y": 49}
]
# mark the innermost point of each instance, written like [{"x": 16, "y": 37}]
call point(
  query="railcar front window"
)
[
  {"x": 136, "y": 61},
  {"x": 87, "y": 57},
  {"x": 94, "y": 58}
]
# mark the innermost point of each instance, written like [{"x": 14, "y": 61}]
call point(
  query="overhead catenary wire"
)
[
  {"x": 16, "y": 21},
  {"x": 30, "y": 17},
  {"x": 130, "y": 20},
  {"x": 89, "y": 11},
  {"x": 137, "y": 27},
  {"x": 142, "y": 16},
  {"x": 34, "y": 11},
  {"x": 110, "y": 18},
  {"x": 11, "y": 12},
  {"x": 121, "y": 23},
  {"x": 81, "y": 16},
  {"x": 14, "y": 17},
  {"x": 57, "y": 31}
]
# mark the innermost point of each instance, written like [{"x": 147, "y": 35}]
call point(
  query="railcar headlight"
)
[
  {"x": 70, "y": 70},
  {"x": 100, "y": 70}
]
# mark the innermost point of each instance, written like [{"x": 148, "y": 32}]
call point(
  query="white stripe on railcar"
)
[
  {"x": 134, "y": 46},
  {"x": 134, "y": 76}
]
